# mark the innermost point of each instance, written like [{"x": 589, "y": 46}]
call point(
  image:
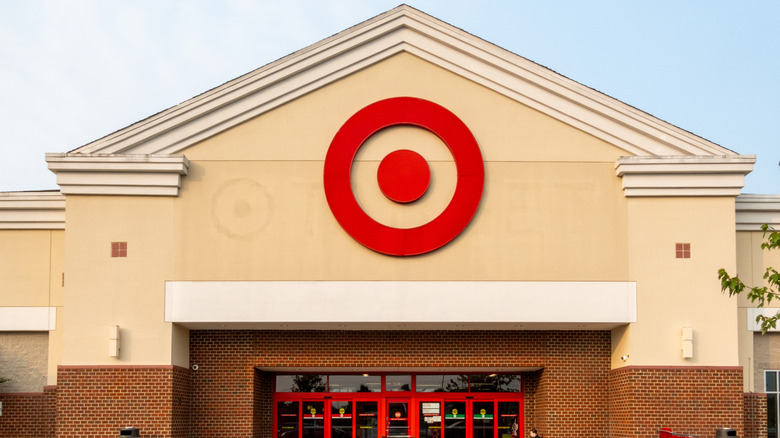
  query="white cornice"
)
[
  {"x": 402, "y": 29},
  {"x": 32, "y": 211},
  {"x": 684, "y": 175},
  {"x": 756, "y": 210},
  {"x": 101, "y": 174}
]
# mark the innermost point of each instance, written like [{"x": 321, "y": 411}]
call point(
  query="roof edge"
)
[
  {"x": 403, "y": 29},
  {"x": 684, "y": 176},
  {"x": 118, "y": 174},
  {"x": 753, "y": 211},
  {"x": 43, "y": 210}
]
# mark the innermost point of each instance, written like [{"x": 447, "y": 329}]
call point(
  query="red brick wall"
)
[
  {"x": 575, "y": 363},
  {"x": 98, "y": 401},
  {"x": 223, "y": 386},
  {"x": 28, "y": 414},
  {"x": 573, "y": 393},
  {"x": 573, "y": 386},
  {"x": 263, "y": 404},
  {"x": 755, "y": 415},
  {"x": 689, "y": 400},
  {"x": 182, "y": 403},
  {"x": 531, "y": 395}
]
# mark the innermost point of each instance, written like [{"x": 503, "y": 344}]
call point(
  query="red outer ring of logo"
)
[{"x": 404, "y": 111}]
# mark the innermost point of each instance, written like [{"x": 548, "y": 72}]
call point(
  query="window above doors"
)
[{"x": 340, "y": 383}]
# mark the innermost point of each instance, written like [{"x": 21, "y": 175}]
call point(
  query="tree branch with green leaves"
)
[{"x": 762, "y": 295}]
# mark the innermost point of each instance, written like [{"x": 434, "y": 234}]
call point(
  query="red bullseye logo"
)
[{"x": 404, "y": 176}]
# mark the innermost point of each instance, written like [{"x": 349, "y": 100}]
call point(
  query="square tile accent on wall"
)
[
  {"x": 118, "y": 249},
  {"x": 682, "y": 250}
]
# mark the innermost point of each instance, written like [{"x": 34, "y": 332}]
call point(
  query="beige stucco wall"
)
[
  {"x": 54, "y": 354},
  {"x": 517, "y": 235},
  {"x": 672, "y": 292},
  {"x": 253, "y": 208},
  {"x": 753, "y": 261},
  {"x": 31, "y": 268},
  {"x": 540, "y": 176},
  {"x": 23, "y": 359},
  {"x": 101, "y": 290},
  {"x": 756, "y": 352}
]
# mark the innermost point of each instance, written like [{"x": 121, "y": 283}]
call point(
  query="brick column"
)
[
  {"x": 755, "y": 415},
  {"x": 98, "y": 401},
  {"x": 689, "y": 400}
]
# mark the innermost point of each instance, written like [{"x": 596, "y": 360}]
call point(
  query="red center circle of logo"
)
[
  {"x": 404, "y": 111},
  {"x": 403, "y": 176}
]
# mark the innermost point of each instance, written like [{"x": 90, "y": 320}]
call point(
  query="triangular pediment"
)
[
  {"x": 148, "y": 157},
  {"x": 403, "y": 29}
]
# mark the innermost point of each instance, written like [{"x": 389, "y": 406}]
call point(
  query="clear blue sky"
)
[{"x": 73, "y": 71}]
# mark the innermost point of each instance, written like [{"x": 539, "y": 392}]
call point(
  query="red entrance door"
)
[
  {"x": 455, "y": 419},
  {"x": 399, "y": 422},
  {"x": 313, "y": 419},
  {"x": 367, "y": 419}
]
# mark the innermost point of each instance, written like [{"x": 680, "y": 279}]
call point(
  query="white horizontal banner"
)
[
  {"x": 400, "y": 304},
  {"x": 32, "y": 319}
]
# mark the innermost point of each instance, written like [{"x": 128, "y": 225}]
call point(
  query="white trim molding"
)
[
  {"x": 403, "y": 29},
  {"x": 756, "y": 210},
  {"x": 684, "y": 175},
  {"x": 28, "y": 319},
  {"x": 753, "y": 312},
  {"x": 121, "y": 174},
  {"x": 32, "y": 211},
  {"x": 400, "y": 305}
]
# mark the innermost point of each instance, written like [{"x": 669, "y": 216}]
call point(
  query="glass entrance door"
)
[
  {"x": 455, "y": 419},
  {"x": 313, "y": 419},
  {"x": 508, "y": 419},
  {"x": 287, "y": 419},
  {"x": 482, "y": 419},
  {"x": 367, "y": 421},
  {"x": 398, "y": 406},
  {"x": 430, "y": 419},
  {"x": 398, "y": 421},
  {"x": 340, "y": 419}
]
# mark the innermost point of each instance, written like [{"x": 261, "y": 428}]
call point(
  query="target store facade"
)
[{"x": 400, "y": 231}]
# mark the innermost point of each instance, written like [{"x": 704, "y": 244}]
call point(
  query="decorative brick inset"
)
[
  {"x": 118, "y": 249},
  {"x": 682, "y": 250},
  {"x": 689, "y": 400}
]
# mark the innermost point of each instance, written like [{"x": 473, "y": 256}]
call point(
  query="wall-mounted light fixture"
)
[
  {"x": 687, "y": 342},
  {"x": 113, "y": 341}
]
